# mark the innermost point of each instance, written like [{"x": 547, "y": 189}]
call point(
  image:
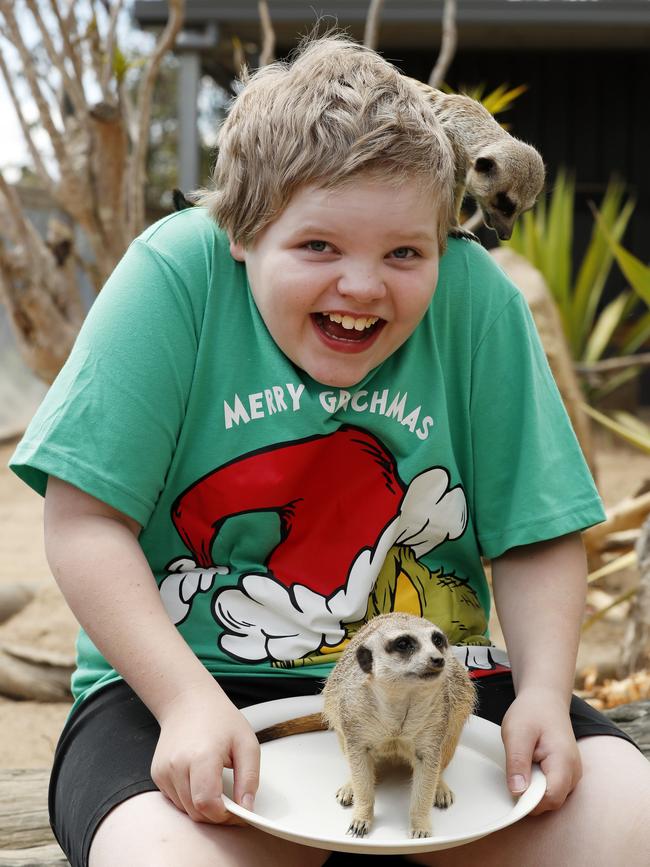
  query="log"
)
[
  {"x": 629, "y": 514},
  {"x": 13, "y": 598},
  {"x": 24, "y": 821},
  {"x": 26, "y": 839},
  {"x": 634, "y": 719},
  {"x": 636, "y": 644},
  {"x": 38, "y": 856},
  {"x": 35, "y": 675}
]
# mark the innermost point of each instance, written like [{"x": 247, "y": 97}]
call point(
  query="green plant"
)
[{"x": 545, "y": 237}]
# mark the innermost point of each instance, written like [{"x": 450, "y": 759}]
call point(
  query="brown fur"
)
[{"x": 503, "y": 174}]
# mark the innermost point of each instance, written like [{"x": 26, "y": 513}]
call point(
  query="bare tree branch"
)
[
  {"x": 72, "y": 85},
  {"x": 14, "y": 208},
  {"x": 39, "y": 165},
  {"x": 238, "y": 56},
  {"x": 145, "y": 94},
  {"x": 447, "y": 46},
  {"x": 110, "y": 49},
  {"x": 267, "y": 55},
  {"x": 69, "y": 37},
  {"x": 371, "y": 32},
  {"x": 607, "y": 365},
  {"x": 37, "y": 94},
  {"x": 94, "y": 43}
]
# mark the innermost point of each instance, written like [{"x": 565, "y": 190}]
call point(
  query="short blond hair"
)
[{"x": 335, "y": 111}]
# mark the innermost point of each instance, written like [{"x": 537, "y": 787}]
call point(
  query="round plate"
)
[{"x": 300, "y": 774}]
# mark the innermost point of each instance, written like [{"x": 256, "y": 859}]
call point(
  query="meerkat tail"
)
[{"x": 300, "y": 725}]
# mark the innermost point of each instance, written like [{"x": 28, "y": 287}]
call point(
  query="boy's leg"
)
[
  {"x": 603, "y": 823},
  {"x": 148, "y": 831}
]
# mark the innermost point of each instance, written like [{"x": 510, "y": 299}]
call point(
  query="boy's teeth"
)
[{"x": 350, "y": 323}]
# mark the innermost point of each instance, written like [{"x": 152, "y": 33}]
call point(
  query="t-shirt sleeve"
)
[
  {"x": 111, "y": 420},
  {"x": 531, "y": 482}
]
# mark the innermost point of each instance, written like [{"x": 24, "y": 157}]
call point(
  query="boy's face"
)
[{"x": 342, "y": 277}]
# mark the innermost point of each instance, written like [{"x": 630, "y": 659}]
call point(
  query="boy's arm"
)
[
  {"x": 95, "y": 558},
  {"x": 539, "y": 592}
]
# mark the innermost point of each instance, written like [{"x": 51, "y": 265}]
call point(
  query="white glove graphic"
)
[
  {"x": 180, "y": 587},
  {"x": 431, "y": 513}
]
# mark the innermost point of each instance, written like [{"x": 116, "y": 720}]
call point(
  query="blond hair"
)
[{"x": 337, "y": 110}]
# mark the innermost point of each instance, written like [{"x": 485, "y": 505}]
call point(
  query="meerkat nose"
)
[{"x": 437, "y": 662}]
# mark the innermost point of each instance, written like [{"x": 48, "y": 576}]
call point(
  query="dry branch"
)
[
  {"x": 13, "y": 598},
  {"x": 34, "y": 675},
  {"x": 109, "y": 51},
  {"x": 447, "y": 45},
  {"x": 371, "y": 31},
  {"x": 626, "y": 515},
  {"x": 34, "y": 153},
  {"x": 97, "y": 182},
  {"x": 636, "y": 645},
  {"x": 267, "y": 55},
  {"x": 73, "y": 87},
  {"x": 145, "y": 96}
]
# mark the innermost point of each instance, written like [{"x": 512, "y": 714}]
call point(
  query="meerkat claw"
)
[
  {"x": 345, "y": 796},
  {"x": 457, "y": 232},
  {"x": 418, "y": 833},
  {"x": 444, "y": 797},
  {"x": 359, "y": 828}
]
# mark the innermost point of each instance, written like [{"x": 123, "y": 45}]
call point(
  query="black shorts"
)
[{"x": 105, "y": 751}]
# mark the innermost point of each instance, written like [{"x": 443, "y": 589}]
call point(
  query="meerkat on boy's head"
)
[
  {"x": 398, "y": 693},
  {"x": 503, "y": 174}
]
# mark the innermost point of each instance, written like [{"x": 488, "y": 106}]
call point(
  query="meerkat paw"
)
[
  {"x": 420, "y": 828},
  {"x": 444, "y": 796},
  {"x": 359, "y": 827},
  {"x": 458, "y": 232},
  {"x": 345, "y": 795}
]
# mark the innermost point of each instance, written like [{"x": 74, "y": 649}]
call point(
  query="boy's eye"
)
[
  {"x": 404, "y": 253},
  {"x": 317, "y": 246}
]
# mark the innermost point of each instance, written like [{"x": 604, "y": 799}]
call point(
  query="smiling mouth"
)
[{"x": 346, "y": 328}]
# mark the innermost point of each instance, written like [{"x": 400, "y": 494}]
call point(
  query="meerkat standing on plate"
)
[
  {"x": 398, "y": 693},
  {"x": 503, "y": 174}
]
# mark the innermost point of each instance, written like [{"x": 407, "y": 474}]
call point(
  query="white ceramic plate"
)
[{"x": 300, "y": 774}]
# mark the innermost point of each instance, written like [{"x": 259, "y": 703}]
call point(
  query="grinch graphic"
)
[{"x": 350, "y": 542}]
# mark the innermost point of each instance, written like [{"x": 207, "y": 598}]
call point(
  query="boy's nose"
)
[{"x": 362, "y": 284}]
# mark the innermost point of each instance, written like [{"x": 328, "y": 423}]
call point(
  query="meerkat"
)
[
  {"x": 396, "y": 695},
  {"x": 503, "y": 174}
]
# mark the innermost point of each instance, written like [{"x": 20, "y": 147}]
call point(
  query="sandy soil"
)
[{"x": 30, "y": 729}]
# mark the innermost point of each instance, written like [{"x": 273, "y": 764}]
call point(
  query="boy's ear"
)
[{"x": 237, "y": 250}]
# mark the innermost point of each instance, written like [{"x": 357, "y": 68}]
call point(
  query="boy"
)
[{"x": 271, "y": 431}]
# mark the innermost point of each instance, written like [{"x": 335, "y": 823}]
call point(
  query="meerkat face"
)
[
  {"x": 506, "y": 180},
  {"x": 417, "y": 652}
]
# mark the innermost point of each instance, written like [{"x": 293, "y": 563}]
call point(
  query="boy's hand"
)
[
  {"x": 537, "y": 728},
  {"x": 200, "y": 734}
]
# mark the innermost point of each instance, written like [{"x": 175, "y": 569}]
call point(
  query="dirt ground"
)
[{"x": 30, "y": 729}]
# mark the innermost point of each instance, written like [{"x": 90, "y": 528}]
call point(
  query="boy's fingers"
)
[
  {"x": 206, "y": 788},
  {"x": 561, "y": 777},
  {"x": 519, "y": 748},
  {"x": 246, "y": 770}
]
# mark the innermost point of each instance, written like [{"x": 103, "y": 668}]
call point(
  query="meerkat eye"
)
[
  {"x": 439, "y": 640},
  {"x": 505, "y": 204},
  {"x": 403, "y": 644}
]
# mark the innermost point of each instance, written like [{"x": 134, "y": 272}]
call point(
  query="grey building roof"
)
[{"x": 415, "y": 23}]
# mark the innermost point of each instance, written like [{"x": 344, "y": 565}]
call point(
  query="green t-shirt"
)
[{"x": 279, "y": 514}]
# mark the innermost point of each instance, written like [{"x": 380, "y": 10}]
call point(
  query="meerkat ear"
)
[
  {"x": 484, "y": 165},
  {"x": 364, "y": 658}
]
